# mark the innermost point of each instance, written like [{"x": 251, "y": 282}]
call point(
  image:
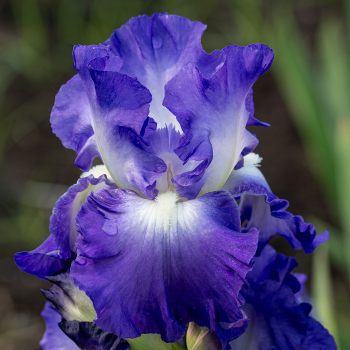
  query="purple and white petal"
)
[
  {"x": 71, "y": 121},
  {"x": 213, "y": 116},
  {"x": 71, "y": 116},
  {"x": 153, "y": 266},
  {"x": 154, "y": 49},
  {"x": 162, "y": 143},
  {"x": 120, "y": 107},
  {"x": 42, "y": 261},
  {"x": 54, "y": 338},
  {"x": 62, "y": 221},
  {"x": 83, "y": 55},
  {"x": 260, "y": 208}
]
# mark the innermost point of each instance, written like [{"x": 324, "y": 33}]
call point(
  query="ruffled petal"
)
[
  {"x": 230, "y": 331},
  {"x": 71, "y": 121},
  {"x": 54, "y": 338},
  {"x": 154, "y": 266},
  {"x": 162, "y": 143},
  {"x": 213, "y": 116},
  {"x": 120, "y": 106},
  {"x": 277, "y": 320},
  {"x": 54, "y": 254},
  {"x": 62, "y": 221},
  {"x": 249, "y": 106},
  {"x": 272, "y": 266},
  {"x": 42, "y": 261},
  {"x": 155, "y": 48},
  {"x": 263, "y": 210},
  {"x": 317, "y": 337},
  {"x": 71, "y": 116},
  {"x": 301, "y": 295}
]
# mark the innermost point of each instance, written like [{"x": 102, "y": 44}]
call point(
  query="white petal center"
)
[{"x": 166, "y": 207}]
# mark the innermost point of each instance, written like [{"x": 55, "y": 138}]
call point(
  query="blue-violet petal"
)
[
  {"x": 153, "y": 266},
  {"x": 213, "y": 116}
]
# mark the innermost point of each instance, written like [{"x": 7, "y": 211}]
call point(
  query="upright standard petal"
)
[
  {"x": 54, "y": 338},
  {"x": 71, "y": 121},
  {"x": 154, "y": 49},
  {"x": 260, "y": 208},
  {"x": 277, "y": 320},
  {"x": 120, "y": 107},
  {"x": 153, "y": 266},
  {"x": 42, "y": 261},
  {"x": 62, "y": 221},
  {"x": 71, "y": 117},
  {"x": 162, "y": 143},
  {"x": 213, "y": 116}
]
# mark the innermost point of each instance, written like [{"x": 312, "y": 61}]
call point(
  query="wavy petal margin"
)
[
  {"x": 62, "y": 221},
  {"x": 263, "y": 210},
  {"x": 42, "y": 261},
  {"x": 154, "y": 266},
  {"x": 277, "y": 319},
  {"x": 71, "y": 116},
  {"x": 213, "y": 116},
  {"x": 120, "y": 107},
  {"x": 154, "y": 49}
]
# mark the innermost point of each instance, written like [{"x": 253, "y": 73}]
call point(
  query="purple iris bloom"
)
[
  {"x": 59, "y": 248},
  {"x": 155, "y": 236},
  {"x": 277, "y": 319}
]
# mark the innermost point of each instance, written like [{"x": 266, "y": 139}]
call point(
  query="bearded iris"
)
[{"x": 154, "y": 236}]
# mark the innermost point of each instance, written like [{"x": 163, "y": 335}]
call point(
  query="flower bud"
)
[
  {"x": 68, "y": 299},
  {"x": 200, "y": 338}
]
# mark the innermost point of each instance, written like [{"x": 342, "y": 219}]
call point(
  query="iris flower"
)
[
  {"x": 155, "y": 236},
  {"x": 277, "y": 319}
]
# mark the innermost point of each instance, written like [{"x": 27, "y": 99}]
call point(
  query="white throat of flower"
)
[{"x": 166, "y": 203}]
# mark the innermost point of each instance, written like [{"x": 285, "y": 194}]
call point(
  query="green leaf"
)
[
  {"x": 322, "y": 290},
  {"x": 342, "y": 149}
]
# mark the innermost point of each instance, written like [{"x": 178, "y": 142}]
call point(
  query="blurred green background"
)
[{"x": 305, "y": 97}]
